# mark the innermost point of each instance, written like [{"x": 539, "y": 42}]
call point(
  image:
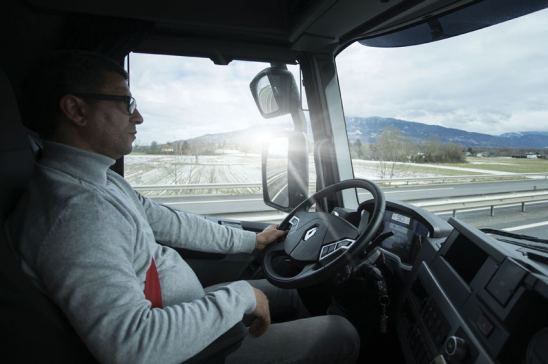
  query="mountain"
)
[
  {"x": 249, "y": 139},
  {"x": 522, "y": 133},
  {"x": 368, "y": 129},
  {"x": 236, "y": 137}
]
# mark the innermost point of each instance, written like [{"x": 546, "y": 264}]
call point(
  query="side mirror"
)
[
  {"x": 285, "y": 171},
  {"x": 275, "y": 92}
]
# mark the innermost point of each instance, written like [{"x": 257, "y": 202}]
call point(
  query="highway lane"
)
[
  {"x": 454, "y": 190},
  {"x": 216, "y": 204},
  {"x": 408, "y": 193},
  {"x": 251, "y": 207}
]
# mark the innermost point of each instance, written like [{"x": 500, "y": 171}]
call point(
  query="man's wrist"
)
[{"x": 259, "y": 241}]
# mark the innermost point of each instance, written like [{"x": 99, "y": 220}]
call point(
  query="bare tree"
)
[{"x": 391, "y": 147}]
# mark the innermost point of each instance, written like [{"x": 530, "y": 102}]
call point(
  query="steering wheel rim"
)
[{"x": 301, "y": 235}]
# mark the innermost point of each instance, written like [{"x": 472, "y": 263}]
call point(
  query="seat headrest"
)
[
  {"x": 16, "y": 158},
  {"x": 10, "y": 120}
]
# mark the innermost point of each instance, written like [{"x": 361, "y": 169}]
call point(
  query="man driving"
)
[{"x": 104, "y": 254}]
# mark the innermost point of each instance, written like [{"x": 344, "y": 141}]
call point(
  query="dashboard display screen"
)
[
  {"x": 405, "y": 220},
  {"x": 405, "y": 232}
]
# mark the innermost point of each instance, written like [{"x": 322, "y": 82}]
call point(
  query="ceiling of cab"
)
[{"x": 241, "y": 29}]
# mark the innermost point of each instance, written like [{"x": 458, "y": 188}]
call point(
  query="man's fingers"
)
[
  {"x": 261, "y": 313},
  {"x": 280, "y": 234},
  {"x": 270, "y": 227},
  {"x": 269, "y": 236}
]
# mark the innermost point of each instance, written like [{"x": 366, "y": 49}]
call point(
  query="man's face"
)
[{"x": 110, "y": 130}]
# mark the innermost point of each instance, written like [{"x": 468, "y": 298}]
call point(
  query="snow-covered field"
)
[
  {"x": 184, "y": 169},
  {"x": 371, "y": 170},
  {"x": 237, "y": 167},
  {"x": 242, "y": 168}
]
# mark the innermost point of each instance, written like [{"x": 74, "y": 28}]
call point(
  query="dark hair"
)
[{"x": 61, "y": 73}]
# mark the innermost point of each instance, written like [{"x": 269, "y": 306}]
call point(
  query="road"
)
[
  {"x": 533, "y": 221},
  {"x": 454, "y": 190}
]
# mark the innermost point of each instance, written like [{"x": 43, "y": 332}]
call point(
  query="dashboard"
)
[
  {"x": 466, "y": 296},
  {"x": 475, "y": 299}
]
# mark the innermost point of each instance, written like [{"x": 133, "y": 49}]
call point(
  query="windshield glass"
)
[
  {"x": 199, "y": 148},
  {"x": 461, "y": 121}
]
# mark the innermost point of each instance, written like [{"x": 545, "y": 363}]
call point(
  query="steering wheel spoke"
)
[
  {"x": 331, "y": 249},
  {"x": 309, "y": 270}
]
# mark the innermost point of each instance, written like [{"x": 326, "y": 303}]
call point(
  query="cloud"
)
[
  {"x": 183, "y": 97},
  {"x": 491, "y": 81}
]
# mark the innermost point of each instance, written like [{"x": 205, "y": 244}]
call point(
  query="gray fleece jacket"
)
[{"x": 87, "y": 239}]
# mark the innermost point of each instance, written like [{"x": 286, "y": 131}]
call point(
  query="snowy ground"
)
[
  {"x": 184, "y": 169},
  {"x": 370, "y": 169},
  {"x": 237, "y": 167}
]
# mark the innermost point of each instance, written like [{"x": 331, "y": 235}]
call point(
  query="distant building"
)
[
  {"x": 167, "y": 148},
  {"x": 528, "y": 156}
]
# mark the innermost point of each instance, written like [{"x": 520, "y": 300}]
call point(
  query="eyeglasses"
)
[{"x": 131, "y": 104}]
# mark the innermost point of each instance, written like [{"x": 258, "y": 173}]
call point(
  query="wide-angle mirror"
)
[{"x": 276, "y": 169}]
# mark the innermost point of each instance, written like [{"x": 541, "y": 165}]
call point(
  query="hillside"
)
[{"x": 368, "y": 129}]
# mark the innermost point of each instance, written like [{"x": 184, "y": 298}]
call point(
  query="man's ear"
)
[{"x": 74, "y": 109}]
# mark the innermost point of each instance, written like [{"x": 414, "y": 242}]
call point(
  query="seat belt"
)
[{"x": 153, "y": 291}]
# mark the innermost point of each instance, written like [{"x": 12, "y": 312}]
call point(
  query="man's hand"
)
[
  {"x": 268, "y": 236},
  {"x": 261, "y": 315}
]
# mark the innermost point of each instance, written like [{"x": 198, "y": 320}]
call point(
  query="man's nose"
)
[{"x": 136, "y": 117}]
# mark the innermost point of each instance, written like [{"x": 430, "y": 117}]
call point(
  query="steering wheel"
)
[{"x": 320, "y": 241}]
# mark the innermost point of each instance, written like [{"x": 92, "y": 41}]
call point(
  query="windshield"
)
[
  {"x": 460, "y": 123},
  {"x": 199, "y": 148}
]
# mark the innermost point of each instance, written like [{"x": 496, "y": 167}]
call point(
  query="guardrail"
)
[
  {"x": 197, "y": 189},
  {"x": 204, "y": 186},
  {"x": 393, "y": 182},
  {"x": 490, "y": 200},
  {"x": 461, "y": 178}
]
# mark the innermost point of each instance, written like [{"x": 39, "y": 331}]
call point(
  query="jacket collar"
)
[{"x": 79, "y": 163}]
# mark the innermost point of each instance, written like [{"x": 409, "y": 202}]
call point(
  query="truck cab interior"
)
[{"x": 418, "y": 288}]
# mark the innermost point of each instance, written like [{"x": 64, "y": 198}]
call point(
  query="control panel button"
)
[
  {"x": 324, "y": 251},
  {"x": 484, "y": 325},
  {"x": 505, "y": 281},
  {"x": 455, "y": 348},
  {"x": 439, "y": 359}
]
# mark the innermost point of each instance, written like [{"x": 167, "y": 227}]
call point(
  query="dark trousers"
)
[{"x": 302, "y": 339}]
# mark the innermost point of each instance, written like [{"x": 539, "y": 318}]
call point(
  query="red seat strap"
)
[{"x": 153, "y": 291}]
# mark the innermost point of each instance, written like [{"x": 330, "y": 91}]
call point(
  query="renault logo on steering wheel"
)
[{"x": 310, "y": 233}]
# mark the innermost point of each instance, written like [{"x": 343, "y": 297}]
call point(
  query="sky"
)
[{"x": 492, "y": 81}]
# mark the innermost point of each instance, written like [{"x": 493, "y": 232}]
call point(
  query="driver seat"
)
[{"x": 33, "y": 328}]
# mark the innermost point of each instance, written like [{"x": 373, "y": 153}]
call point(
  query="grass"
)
[
  {"x": 413, "y": 170},
  {"x": 418, "y": 169},
  {"x": 505, "y": 164}
]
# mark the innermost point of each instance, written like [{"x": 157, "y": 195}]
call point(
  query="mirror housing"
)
[
  {"x": 275, "y": 92},
  {"x": 285, "y": 171}
]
